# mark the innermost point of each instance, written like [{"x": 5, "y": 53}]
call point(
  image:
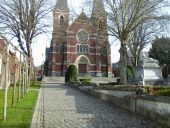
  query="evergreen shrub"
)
[
  {"x": 71, "y": 75},
  {"x": 85, "y": 80},
  {"x": 130, "y": 72}
]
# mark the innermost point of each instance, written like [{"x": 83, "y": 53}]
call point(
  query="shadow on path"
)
[{"x": 73, "y": 109}]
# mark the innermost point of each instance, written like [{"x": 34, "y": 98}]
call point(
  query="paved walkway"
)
[{"x": 60, "y": 106}]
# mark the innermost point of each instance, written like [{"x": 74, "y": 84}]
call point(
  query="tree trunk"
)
[
  {"x": 30, "y": 62},
  {"x": 6, "y": 83},
  {"x": 20, "y": 78},
  {"x": 22, "y": 86},
  {"x": 34, "y": 76},
  {"x": 27, "y": 76},
  {"x": 14, "y": 86},
  {"x": 25, "y": 80},
  {"x": 123, "y": 64}
]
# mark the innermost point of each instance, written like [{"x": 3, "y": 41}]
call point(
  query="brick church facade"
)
[{"x": 83, "y": 43}]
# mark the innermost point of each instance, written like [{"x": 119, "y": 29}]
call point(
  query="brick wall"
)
[{"x": 65, "y": 36}]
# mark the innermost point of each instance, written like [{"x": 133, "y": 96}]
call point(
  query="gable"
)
[{"x": 81, "y": 24}]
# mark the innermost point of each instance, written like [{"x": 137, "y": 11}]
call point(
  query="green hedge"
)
[
  {"x": 153, "y": 90},
  {"x": 71, "y": 75},
  {"x": 156, "y": 90},
  {"x": 162, "y": 92},
  {"x": 130, "y": 72},
  {"x": 85, "y": 80},
  {"x": 39, "y": 78},
  {"x": 118, "y": 87}
]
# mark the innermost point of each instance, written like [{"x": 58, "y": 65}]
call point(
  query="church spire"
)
[
  {"x": 99, "y": 17},
  {"x": 62, "y": 5},
  {"x": 98, "y": 9}
]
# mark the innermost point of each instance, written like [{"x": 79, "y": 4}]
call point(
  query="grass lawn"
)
[{"x": 21, "y": 115}]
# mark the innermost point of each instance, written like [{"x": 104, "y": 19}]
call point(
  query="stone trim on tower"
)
[{"x": 62, "y": 5}]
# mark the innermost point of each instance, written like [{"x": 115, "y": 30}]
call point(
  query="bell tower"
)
[
  {"x": 59, "y": 38},
  {"x": 61, "y": 17},
  {"x": 99, "y": 20},
  {"x": 98, "y": 11}
]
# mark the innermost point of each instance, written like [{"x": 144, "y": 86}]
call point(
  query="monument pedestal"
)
[
  {"x": 149, "y": 72},
  {"x": 167, "y": 81}
]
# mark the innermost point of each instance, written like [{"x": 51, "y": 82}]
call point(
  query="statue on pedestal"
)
[{"x": 148, "y": 71}]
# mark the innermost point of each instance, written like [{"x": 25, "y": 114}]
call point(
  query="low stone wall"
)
[
  {"x": 155, "y": 108},
  {"x": 151, "y": 107},
  {"x": 118, "y": 98}
]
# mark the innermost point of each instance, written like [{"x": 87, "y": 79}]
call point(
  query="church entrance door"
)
[
  {"x": 82, "y": 63},
  {"x": 82, "y": 68}
]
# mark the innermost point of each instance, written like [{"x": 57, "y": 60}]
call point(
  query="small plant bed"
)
[
  {"x": 85, "y": 81},
  {"x": 118, "y": 87},
  {"x": 151, "y": 90},
  {"x": 20, "y": 115},
  {"x": 156, "y": 90},
  {"x": 82, "y": 84}
]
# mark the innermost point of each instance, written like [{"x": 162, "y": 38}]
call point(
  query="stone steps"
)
[
  {"x": 53, "y": 80},
  {"x": 103, "y": 80},
  {"x": 94, "y": 79}
]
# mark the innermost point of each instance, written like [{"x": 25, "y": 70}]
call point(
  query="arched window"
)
[
  {"x": 78, "y": 48},
  {"x": 103, "y": 51},
  {"x": 87, "y": 49},
  {"x": 82, "y": 48},
  {"x": 61, "y": 48},
  {"x": 61, "y": 20},
  {"x": 100, "y": 24}
]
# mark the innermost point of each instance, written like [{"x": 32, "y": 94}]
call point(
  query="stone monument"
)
[
  {"x": 167, "y": 81},
  {"x": 148, "y": 71}
]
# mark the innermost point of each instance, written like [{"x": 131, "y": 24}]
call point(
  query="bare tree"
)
[
  {"x": 24, "y": 19},
  {"x": 141, "y": 37},
  {"x": 124, "y": 17}
]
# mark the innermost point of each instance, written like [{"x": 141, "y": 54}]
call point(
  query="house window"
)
[{"x": 61, "y": 20}]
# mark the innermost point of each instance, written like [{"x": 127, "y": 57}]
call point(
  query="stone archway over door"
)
[{"x": 82, "y": 63}]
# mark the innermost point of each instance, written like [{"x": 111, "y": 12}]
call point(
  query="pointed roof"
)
[
  {"x": 82, "y": 16},
  {"x": 98, "y": 8},
  {"x": 62, "y": 5}
]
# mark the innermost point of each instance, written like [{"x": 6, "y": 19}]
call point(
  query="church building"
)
[{"x": 83, "y": 43}]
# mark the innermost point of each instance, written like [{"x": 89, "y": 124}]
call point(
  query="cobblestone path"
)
[{"x": 60, "y": 106}]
